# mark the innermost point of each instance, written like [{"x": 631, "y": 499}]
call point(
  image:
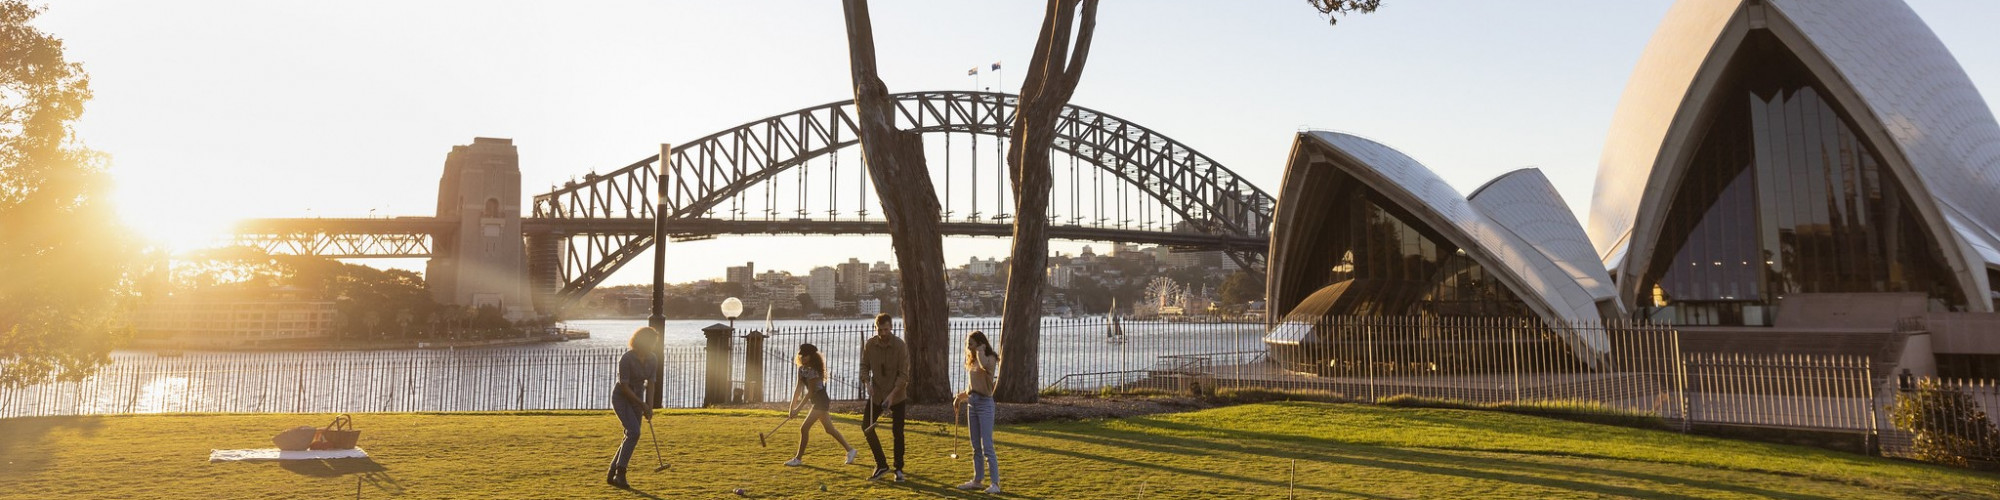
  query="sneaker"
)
[
  {"x": 994, "y": 489},
  {"x": 794, "y": 462},
  {"x": 850, "y": 456},
  {"x": 899, "y": 475},
  {"x": 879, "y": 471},
  {"x": 970, "y": 485}
]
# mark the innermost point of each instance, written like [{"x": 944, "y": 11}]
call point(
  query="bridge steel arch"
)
[{"x": 707, "y": 172}]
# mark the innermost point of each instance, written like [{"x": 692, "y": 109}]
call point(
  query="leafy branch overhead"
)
[{"x": 1336, "y": 8}]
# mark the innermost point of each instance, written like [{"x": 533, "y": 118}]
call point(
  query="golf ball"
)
[
  {"x": 739, "y": 492},
  {"x": 822, "y": 487},
  {"x": 954, "y": 456}
]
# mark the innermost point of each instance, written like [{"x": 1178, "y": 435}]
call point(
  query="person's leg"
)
[
  {"x": 896, "y": 430},
  {"x": 983, "y": 440},
  {"x": 628, "y": 417},
  {"x": 973, "y": 429},
  {"x": 868, "y": 416},
  {"x": 826, "y": 422},
  {"x": 805, "y": 432}
]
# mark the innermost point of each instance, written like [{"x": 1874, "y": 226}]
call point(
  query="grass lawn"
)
[{"x": 1341, "y": 451}]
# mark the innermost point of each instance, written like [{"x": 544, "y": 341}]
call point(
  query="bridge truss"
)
[{"x": 1135, "y": 185}]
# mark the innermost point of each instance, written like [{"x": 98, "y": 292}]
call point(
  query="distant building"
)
[
  {"x": 854, "y": 276},
  {"x": 986, "y": 267},
  {"x": 277, "y": 317},
  {"x": 1061, "y": 276},
  {"x": 823, "y": 285},
  {"x": 740, "y": 274},
  {"x": 868, "y": 307}
]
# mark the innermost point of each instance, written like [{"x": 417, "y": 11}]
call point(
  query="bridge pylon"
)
[{"x": 479, "y": 259}]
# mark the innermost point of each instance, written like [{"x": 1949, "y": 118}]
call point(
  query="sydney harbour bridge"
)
[{"x": 794, "y": 173}]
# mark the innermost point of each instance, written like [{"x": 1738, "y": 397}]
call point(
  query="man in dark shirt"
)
[{"x": 885, "y": 372}]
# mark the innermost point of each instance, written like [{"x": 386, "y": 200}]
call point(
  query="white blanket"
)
[{"x": 276, "y": 454}]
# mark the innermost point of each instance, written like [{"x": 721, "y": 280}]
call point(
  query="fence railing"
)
[
  {"x": 1950, "y": 420},
  {"x": 1137, "y": 349},
  {"x": 352, "y": 381},
  {"x": 1632, "y": 367}
]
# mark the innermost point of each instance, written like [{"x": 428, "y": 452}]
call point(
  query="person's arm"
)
[
  {"x": 903, "y": 376},
  {"x": 798, "y": 387},
  {"x": 867, "y": 375},
  {"x": 626, "y": 389}
]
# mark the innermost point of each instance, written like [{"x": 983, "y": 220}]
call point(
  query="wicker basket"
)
[{"x": 338, "y": 435}]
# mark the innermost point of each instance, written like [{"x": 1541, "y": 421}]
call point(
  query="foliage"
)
[
  {"x": 372, "y": 303},
  {"x": 1241, "y": 288},
  {"x": 1948, "y": 424},
  {"x": 1342, "y": 451},
  {"x": 1336, "y": 8},
  {"x": 63, "y": 251}
]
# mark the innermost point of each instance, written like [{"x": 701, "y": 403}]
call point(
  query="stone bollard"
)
[
  {"x": 716, "y": 386},
  {"x": 753, "y": 367}
]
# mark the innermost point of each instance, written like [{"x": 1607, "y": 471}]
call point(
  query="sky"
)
[{"x": 218, "y": 110}]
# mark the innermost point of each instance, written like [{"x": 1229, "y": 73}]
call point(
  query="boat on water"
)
[{"x": 1115, "y": 332}]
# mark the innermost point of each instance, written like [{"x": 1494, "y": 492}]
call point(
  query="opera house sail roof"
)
[
  {"x": 1345, "y": 198},
  {"x": 1775, "y": 147}
]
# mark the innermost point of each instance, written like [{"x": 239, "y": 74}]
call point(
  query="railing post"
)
[{"x": 717, "y": 384}]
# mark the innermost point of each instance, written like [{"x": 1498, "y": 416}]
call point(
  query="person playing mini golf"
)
[
  {"x": 635, "y": 369},
  {"x": 885, "y": 372}
]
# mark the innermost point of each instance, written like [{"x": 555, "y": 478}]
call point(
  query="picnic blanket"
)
[{"x": 261, "y": 454}]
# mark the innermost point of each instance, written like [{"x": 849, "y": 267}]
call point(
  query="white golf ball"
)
[{"x": 954, "y": 456}]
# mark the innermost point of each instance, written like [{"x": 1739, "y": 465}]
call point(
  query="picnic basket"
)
[{"x": 338, "y": 435}]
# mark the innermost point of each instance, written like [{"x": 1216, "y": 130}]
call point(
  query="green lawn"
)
[{"x": 1341, "y": 451}]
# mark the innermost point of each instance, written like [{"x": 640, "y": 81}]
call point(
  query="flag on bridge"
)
[
  {"x": 973, "y": 71},
  {"x": 996, "y": 65}
]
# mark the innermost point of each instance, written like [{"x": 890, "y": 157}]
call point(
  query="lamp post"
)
[{"x": 719, "y": 339}]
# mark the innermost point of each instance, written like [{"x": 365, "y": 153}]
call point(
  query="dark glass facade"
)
[
  {"x": 1381, "y": 245},
  {"x": 1782, "y": 196}
]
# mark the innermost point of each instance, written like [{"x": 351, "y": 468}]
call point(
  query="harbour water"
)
[{"x": 578, "y": 374}]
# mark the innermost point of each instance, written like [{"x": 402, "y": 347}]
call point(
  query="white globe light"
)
[{"x": 731, "y": 308}]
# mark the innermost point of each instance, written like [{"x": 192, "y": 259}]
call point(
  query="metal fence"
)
[
  {"x": 1632, "y": 367},
  {"x": 1945, "y": 418},
  {"x": 1791, "y": 391},
  {"x": 1073, "y": 354},
  {"x": 352, "y": 381},
  {"x": 1629, "y": 367}
]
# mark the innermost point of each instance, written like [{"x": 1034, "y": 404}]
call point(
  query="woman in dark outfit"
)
[
  {"x": 812, "y": 385},
  {"x": 637, "y": 367}
]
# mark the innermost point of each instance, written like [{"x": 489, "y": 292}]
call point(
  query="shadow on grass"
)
[
  {"x": 19, "y": 436},
  {"x": 333, "y": 467},
  {"x": 1402, "y": 459}
]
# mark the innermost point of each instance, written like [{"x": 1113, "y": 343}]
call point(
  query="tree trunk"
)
[
  {"x": 1052, "y": 78},
  {"x": 895, "y": 161}
]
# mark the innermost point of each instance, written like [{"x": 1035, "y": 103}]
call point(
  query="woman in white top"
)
[
  {"x": 981, "y": 362},
  {"x": 812, "y": 384}
]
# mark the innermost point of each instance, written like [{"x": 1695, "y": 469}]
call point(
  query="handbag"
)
[{"x": 338, "y": 435}]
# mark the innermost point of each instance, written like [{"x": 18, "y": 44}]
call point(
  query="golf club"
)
[
  {"x": 656, "y": 446},
  {"x": 774, "y": 429}
]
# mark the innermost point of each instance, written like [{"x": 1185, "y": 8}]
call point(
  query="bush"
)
[{"x": 1948, "y": 424}]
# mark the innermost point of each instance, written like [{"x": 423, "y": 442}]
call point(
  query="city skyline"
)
[{"x": 371, "y": 112}]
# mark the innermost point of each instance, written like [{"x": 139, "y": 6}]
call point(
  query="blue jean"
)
[
  {"x": 979, "y": 423},
  {"x": 628, "y": 416}
]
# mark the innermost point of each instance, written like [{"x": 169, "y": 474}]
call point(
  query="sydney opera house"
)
[{"x": 1780, "y": 176}]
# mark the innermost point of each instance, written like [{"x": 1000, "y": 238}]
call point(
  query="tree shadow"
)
[
  {"x": 1403, "y": 459},
  {"x": 18, "y": 437}
]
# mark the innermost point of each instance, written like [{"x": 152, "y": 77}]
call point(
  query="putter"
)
[
  {"x": 656, "y": 446},
  {"x": 774, "y": 430}
]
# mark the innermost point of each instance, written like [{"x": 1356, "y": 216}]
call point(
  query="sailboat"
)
[
  {"x": 769, "y": 328},
  {"x": 1115, "y": 333}
]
